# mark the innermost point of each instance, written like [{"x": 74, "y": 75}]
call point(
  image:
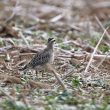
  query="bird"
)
[
  {"x": 44, "y": 58},
  {"x": 41, "y": 58}
]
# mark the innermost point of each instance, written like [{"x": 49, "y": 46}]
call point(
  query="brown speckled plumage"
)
[{"x": 43, "y": 57}]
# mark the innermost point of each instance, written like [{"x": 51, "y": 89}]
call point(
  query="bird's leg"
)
[
  {"x": 36, "y": 72},
  {"x": 49, "y": 66},
  {"x": 42, "y": 73}
]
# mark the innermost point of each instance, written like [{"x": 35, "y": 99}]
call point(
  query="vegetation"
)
[{"x": 82, "y": 60}]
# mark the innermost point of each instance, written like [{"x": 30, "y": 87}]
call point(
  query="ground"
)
[{"x": 82, "y": 60}]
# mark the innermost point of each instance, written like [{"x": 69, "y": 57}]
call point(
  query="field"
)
[{"x": 81, "y": 54}]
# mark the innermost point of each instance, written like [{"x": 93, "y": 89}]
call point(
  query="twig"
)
[
  {"x": 102, "y": 60},
  {"x": 23, "y": 37},
  {"x": 12, "y": 99},
  {"x": 57, "y": 76},
  {"x": 84, "y": 47},
  {"x": 65, "y": 76},
  {"x": 19, "y": 63},
  {"x": 87, "y": 56},
  {"x": 87, "y": 67},
  {"x": 99, "y": 22}
]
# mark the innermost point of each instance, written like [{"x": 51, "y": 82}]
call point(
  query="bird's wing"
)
[{"x": 40, "y": 59}]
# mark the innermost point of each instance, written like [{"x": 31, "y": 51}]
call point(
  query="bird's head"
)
[{"x": 50, "y": 42}]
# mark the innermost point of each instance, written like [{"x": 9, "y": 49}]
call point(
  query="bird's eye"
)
[{"x": 50, "y": 39}]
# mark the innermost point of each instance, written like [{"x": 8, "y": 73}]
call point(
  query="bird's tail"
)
[{"x": 23, "y": 68}]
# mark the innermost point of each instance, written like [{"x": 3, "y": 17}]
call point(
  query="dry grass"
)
[{"x": 82, "y": 46}]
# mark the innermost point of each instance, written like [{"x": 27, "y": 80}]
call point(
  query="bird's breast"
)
[{"x": 52, "y": 58}]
